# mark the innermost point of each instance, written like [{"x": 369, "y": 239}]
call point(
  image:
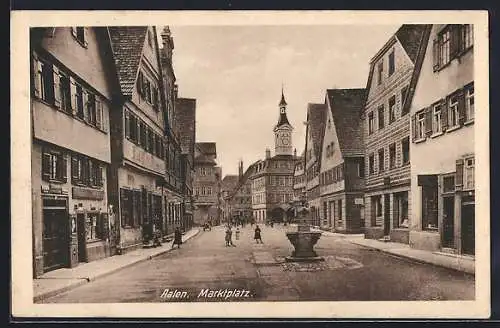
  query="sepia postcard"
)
[{"x": 264, "y": 164}]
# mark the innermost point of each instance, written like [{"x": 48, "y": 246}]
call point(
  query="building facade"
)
[
  {"x": 386, "y": 126},
  {"x": 341, "y": 176},
  {"x": 185, "y": 110},
  {"x": 315, "y": 122},
  {"x": 72, "y": 86},
  {"x": 299, "y": 178},
  {"x": 137, "y": 137},
  {"x": 442, "y": 115},
  {"x": 206, "y": 184},
  {"x": 272, "y": 178},
  {"x": 240, "y": 198}
]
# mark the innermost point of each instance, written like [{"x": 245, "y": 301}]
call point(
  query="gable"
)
[
  {"x": 330, "y": 156},
  {"x": 402, "y": 63},
  {"x": 310, "y": 149}
]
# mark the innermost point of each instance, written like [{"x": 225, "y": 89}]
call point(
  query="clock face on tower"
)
[
  {"x": 285, "y": 140},
  {"x": 282, "y": 110}
]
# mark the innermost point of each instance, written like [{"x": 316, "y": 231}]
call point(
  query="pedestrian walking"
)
[
  {"x": 237, "y": 234},
  {"x": 177, "y": 238},
  {"x": 257, "y": 235}
]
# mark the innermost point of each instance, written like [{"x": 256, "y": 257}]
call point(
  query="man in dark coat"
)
[{"x": 177, "y": 238}]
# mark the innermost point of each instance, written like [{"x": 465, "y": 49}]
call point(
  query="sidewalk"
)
[
  {"x": 451, "y": 261},
  {"x": 58, "y": 281}
]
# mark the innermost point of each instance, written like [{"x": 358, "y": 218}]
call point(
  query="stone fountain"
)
[{"x": 301, "y": 236}]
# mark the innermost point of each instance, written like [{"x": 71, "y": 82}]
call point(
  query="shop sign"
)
[
  {"x": 86, "y": 193},
  {"x": 358, "y": 201}
]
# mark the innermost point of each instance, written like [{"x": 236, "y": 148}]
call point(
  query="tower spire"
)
[{"x": 282, "y": 102}]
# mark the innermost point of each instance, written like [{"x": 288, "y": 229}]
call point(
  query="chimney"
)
[
  {"x": 268, "y": 153},
  {"x": 240, "y": 169}
]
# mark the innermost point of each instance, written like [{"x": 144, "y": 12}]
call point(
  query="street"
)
[{"x": 204, "y": 265}]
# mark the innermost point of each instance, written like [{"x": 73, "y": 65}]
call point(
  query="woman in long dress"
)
[{"x": 257, "y": 236}]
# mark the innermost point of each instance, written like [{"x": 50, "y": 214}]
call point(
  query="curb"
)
[
  {"x": 415, "y": 260},
  {"x": 83, "y": 281}
]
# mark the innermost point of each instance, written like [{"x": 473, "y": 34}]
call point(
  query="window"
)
[
  {"x": 53, "y": 166},
  {"x": 371, "y": 123},
  {"x": 469, "y": 103},
  {"x": 79, "y": 102},
  {"x": 44, "y": 81},
  {"x": 91, "y": 109},
  {"x": 380, "y": 71},
  {"x": 361, "y": 167},
  {"x": 209, "y": 190},
  {"x": 404, "y": 109},
  {"x": 381, "y": 160},
  {"x": 400, "y": 210},
  {"x": 392, "y": 156},
  {"x": 80, "y": 35},
  {"x": 203, "y": 171},
  {"x": 371, "y": 163},
  {"x": 436, "y": 118},
  {"x": 392, "y": 109},
  {"x": 65, "y": 93},
  {"x": 405, "y": 146},
  {"x": 467, "y": 33},
  {"x": 420, "y": 128},
  {"x": 376, "y": 211},
  {"x": 391, "y": 63},
  {"x": 131, "y": 212},
  {"x": 429, "y": 207},
  {"x": 449, "y": 184},
  {"x": 442, "y": 49},
  {"x": 469, "y": 173},
  {"x": 86, "y": 171},
  {"x": 381, "y": 118},
  {"x": 94, "y": 226},
  {"x": 453, "y": 114}
]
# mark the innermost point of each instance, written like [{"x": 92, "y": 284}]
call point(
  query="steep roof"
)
[
  {"x": 346, "y": 106},
  {"x": 127, "y": 43},
  {"x": 316, "y": 116},
  {"x": 185, "y": 111},
  {"x": 229, "y": 182},
  {"x": 410, "y": 36},
  {"x": 244, "y": 178},
  {"x": 207, "y": 148}
]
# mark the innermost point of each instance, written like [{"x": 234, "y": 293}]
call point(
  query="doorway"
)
[
  {"x": 448, "y": 222},
  {"x": 55, "y": 234},
  {"x": 387, "y": 212},
  {"x": 468, "y": 229}
]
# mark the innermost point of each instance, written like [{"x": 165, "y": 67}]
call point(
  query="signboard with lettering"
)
[
  {"x": 87, "y": 193},
  {"x": 358, "y": 201}
]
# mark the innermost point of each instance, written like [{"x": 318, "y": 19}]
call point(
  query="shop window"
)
[
  {"x": 429, "y": 207},
  {"x": 54, "y": 166},
  {"x": 400, "y": 210},
  {"x": 94, "y": 227},
  {"x": 376, "y": 211}
]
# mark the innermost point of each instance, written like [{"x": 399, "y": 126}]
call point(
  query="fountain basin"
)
[{"x": 303, "y": 242}]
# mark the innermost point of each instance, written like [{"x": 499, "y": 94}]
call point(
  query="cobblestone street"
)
[{"x": 204, "y": 264}]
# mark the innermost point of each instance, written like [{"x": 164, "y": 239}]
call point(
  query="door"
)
[
  {"x": 55, "y": 234},
  {"x": 468, "y": 229},
  {"x": 82, "y": 238},
  {"x": 448, "y": 218},
  {"x": 387, "y": 217}
]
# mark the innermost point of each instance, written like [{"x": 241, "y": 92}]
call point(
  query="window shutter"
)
[
  {"x": 413, "y": 127},
  {"x": 46, "y": 166},
  {"x": 461, "y": 107},
  {"x": 455, "y": 41},
  {"x": 85, "y": 36},
  {"x": 104, "y": 116},
  {"x": 74, "y": 101},
  {"x": 459, "y": 174},
  {"x": 435, "y": 54},
  {"x": 86, "y": 106},
  {"x": 428, "y": 121},
  {"x": 127, "y": 124},
  {"x": 37, "y": 82},
  {"x": 57, "y": 87},
  {"x": 444, "y": 114},
  {"x": 64, "y": 168},
  {"x": 73, "y": 31},
  {"x": 98, "y": 113},
  {"x": 74, "y": 169}
]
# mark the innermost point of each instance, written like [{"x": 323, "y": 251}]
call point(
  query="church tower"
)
[{"x": 283, "y": 131}]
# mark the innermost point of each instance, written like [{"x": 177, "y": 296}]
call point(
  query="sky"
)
[{"x": 236, "y": 73}]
